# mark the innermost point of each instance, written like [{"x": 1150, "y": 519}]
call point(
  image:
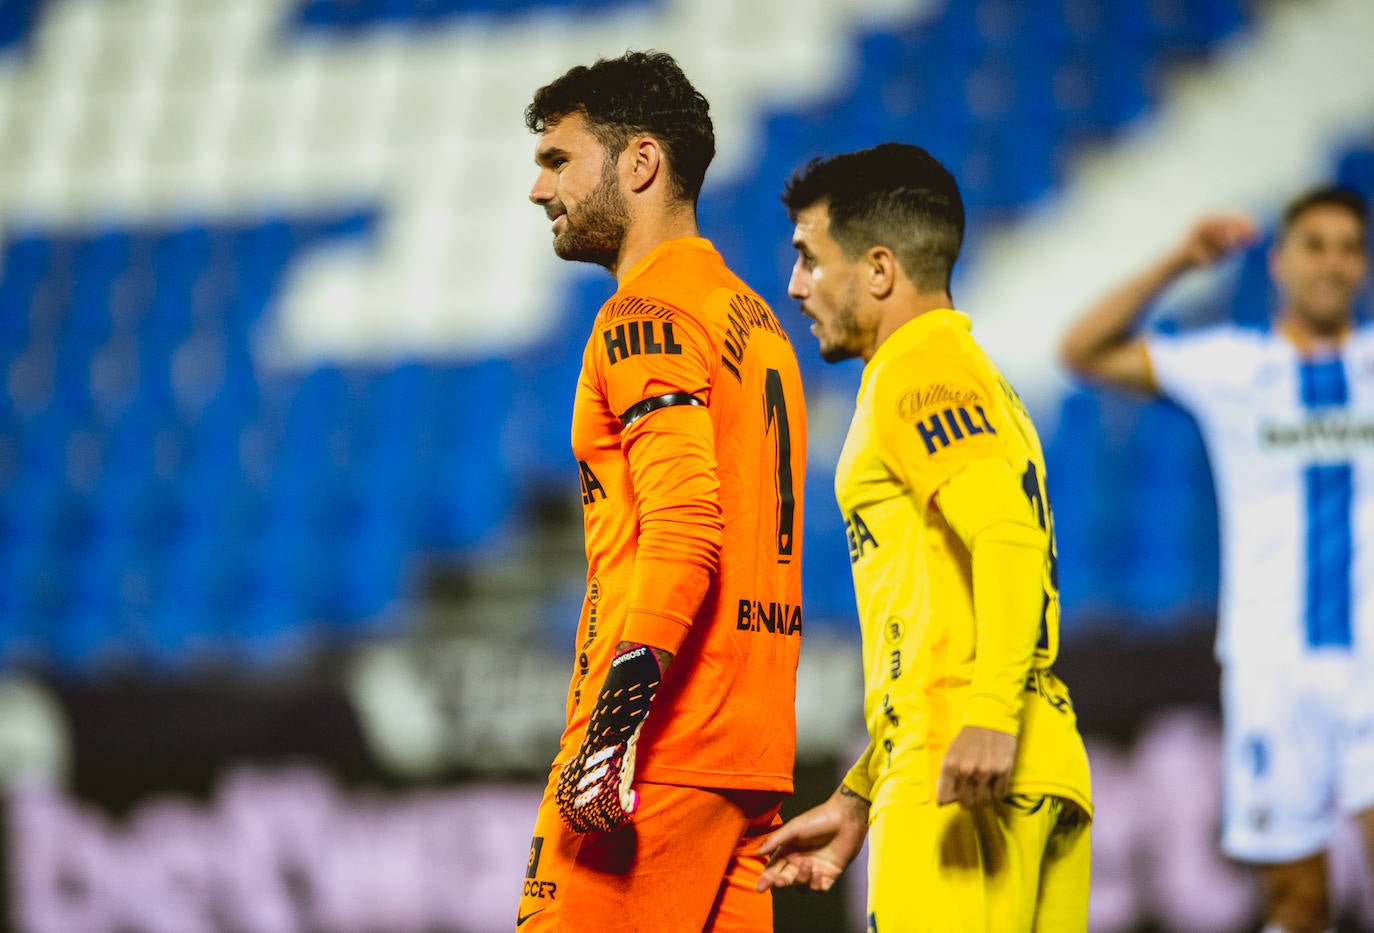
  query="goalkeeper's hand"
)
[{"x": 594, "y": 790}]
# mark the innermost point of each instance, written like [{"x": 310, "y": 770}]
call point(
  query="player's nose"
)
[{"x": 541, "y": 192}]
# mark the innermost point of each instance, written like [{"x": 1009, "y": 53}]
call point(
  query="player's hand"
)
[
  {"x": 977, "y": 767},
  {"x": 1214, "y": 238},
  {"x": 814, "y": 848},
  {"x": 595, "y": 790}
]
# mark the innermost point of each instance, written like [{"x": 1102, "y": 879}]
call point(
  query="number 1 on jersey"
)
[{"x": 775, "y": 421}]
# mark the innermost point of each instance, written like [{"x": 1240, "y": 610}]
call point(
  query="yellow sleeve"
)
[
  {"x": 857, "y": 779},
  {"x": 986, "y": 508}
]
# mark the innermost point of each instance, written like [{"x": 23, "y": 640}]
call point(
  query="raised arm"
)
[{"x": 1102, "y": 345}]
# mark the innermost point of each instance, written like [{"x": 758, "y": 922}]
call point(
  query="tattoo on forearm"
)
[{"x": 857, "y": 798}]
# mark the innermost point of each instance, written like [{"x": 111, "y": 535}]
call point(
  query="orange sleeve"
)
[
  {"x": 672, "y": 462},
  {"x": 673, "y": 469}
]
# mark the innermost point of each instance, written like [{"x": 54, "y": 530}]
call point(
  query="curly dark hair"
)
[
  {"x": 637, "y": 93},
  {"x": 894, "y": 195}
]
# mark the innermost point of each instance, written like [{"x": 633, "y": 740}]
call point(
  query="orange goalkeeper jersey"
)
[{"x": 689, "y": 429}]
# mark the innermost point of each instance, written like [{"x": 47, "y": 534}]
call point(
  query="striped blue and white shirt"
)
[{"x": 1291, "y": 444}]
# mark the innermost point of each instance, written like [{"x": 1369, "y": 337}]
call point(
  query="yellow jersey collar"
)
[
  {"x": 917, "y": 329},
  {"x": 662, "y": 250}
]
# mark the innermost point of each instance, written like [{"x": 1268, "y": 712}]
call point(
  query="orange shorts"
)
[{"x": 684, "y": 863}]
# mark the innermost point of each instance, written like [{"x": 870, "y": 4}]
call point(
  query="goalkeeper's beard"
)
[{"x": 594, "y": 230}]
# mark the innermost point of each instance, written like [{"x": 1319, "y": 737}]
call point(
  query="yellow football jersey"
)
[{"x": 930, "y": 404}]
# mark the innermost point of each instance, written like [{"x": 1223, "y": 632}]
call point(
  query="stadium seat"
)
[
  {"x": 1356, "y": 169},
  {"x": 16, "y": 20}
]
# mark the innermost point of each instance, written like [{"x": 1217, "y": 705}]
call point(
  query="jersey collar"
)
[
  {"x": 664, "y": 249},
  {"x": 917, "y": 329}
]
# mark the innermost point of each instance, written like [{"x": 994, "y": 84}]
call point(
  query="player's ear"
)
[
  {"x": 881, "y": 270},
  {"x": 646, "y": 160}
]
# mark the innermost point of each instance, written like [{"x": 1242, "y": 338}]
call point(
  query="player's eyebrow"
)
[{"x": 548, "y": 154}]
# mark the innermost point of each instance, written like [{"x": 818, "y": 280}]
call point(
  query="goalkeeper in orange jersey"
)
[
  {"x": 974, "y": 789},
  {"x": 690, "y": 435}
]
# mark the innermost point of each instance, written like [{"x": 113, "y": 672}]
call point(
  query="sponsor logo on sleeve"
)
[
  {"x": 860, "y": 538},
  {"x": 951, "y": 425},
  {"x": 912, "y": 405},
  {"x": 591, "y": 486},
  {"x": 648, "y": 332}
]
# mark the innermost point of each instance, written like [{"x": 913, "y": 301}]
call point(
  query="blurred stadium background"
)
[{"x": 289, "y": 532}]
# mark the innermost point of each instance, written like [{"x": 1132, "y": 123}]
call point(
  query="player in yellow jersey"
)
[{"x": 974, "y": 789}]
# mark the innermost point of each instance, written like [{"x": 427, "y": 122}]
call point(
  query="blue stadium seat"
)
[
  {"x": 178, "y": 632},
  {"x": 1252, "y": 299},
  {"x": 1077, "y": 459},
  {"x": 538, "y": 444},
  {"x": 1182, "y": 25},
  {"x": 828, "y": 585},
  {"x": 1161, "y": 511},
  {"x": 1356, "y": 170},
  {"x": 368, "y": 561},
  {"x": 460, "y": 458},
  {"x": 17, "y": 19},
  {"x": 82, "y": 638},
  {"x": 27, "y": 255},
  {"x": 1126, "y": 84}
]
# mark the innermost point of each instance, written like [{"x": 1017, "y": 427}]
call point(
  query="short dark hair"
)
[
  {"x": 894, "y": 195},
  {"x": 637, "y": 93},
  {"x": 1327, "y": 195}
]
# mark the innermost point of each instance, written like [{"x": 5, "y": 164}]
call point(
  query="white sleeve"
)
[{"x": 1192, "y": 367}]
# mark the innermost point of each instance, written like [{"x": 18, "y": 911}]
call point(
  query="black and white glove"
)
[{"x": 594, "y": 791}]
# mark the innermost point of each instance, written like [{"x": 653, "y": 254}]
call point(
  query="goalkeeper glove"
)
[{"x": 594, "y": 792}]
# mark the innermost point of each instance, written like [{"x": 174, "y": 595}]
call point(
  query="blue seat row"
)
[
  {"x": 17, "y": 20},
  {"x": 163, "y": 497},
  {"x": 349, "y": 15}
]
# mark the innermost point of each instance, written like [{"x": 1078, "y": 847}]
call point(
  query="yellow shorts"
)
[
  {"x": 685, "y": 863},
  {"x": 1019, "y": 866}
]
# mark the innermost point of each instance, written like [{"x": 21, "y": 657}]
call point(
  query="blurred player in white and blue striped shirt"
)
[{"x": 1287, "y": 414}]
